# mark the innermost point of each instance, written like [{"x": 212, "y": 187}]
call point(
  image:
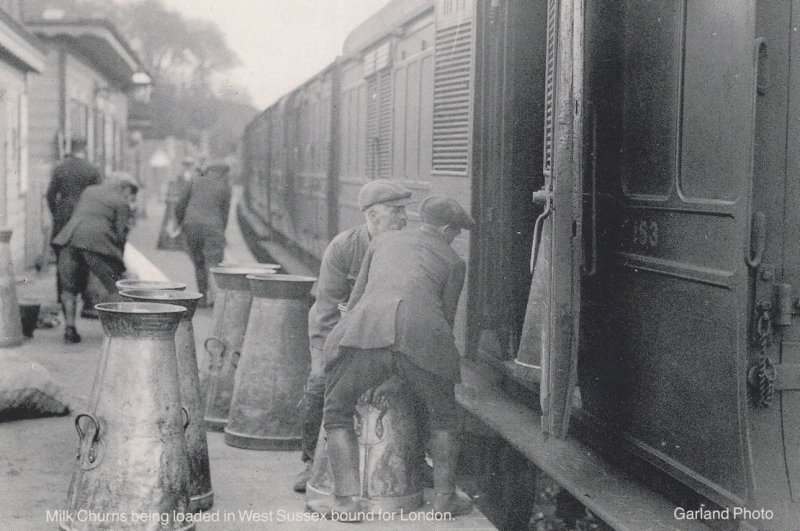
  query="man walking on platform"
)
[
  {"x": 69, "y": 180},
  {"x": 382, "y": 203},
  {"x": 399, "y": 323},
  {"x": 203, "y": 212},
  {"x": 93, "y": 240}
]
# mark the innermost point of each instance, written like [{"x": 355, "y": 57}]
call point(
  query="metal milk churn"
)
[
  {"x": 390, "y": 453},
  {"x": 224, "y": 345},
  {"x": 10, "y": 320},
  {"x": 274, "y": 365},
  {"x": 201, "y": 495},
  {"x": 390, "y": 456},
  {"x": 133, "y": 283},
  {"x": 132, "y": 454}
]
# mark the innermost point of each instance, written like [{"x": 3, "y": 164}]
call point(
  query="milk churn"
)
[
  {"x": 390, "y": 453},
  {"x": 224, "y": 345},
  {"x": 201, "y": 495},
  {"x": 132, "y": 283},
  {"x": 132, "y": 454},
  {"x": 10, "y": 320},
  {"x": 274, "y": 365},
  {"x": 390, "y": 456}
]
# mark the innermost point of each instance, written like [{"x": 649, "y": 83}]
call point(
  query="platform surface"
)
[{"x": 252, "y": 489}]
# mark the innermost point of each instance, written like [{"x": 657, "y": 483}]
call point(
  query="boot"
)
[
  {"x": 302, "y": 477},
  {"x": 346, "y": 504},
  {"x": 444, "y": 449}
]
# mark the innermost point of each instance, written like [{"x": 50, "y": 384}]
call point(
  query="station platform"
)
[{"x": 252, "y": 489}]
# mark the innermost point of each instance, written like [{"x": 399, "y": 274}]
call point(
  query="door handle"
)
[{"x": 758, "y": 240}]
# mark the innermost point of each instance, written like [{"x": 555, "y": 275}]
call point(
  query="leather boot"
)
[
  {"x": 444, "y": 449},
  {"x": 346, "y": 504}
]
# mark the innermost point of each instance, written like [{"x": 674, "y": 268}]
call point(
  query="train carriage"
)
[{"x": 630, "y": 291}]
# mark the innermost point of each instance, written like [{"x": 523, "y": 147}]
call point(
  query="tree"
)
[{"x": 186, "y": 58}]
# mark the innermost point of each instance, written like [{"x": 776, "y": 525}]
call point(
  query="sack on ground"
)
[{"x": 27, "y": 390}]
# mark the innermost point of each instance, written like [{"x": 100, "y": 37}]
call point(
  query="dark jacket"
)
[
  {"x": 205, "y": 202},
  {"x": 405, "y": 299},
  {"x": 337, "y": 274},
  {"x": 100, "y": 222},
  {"x": 69, "y": 179}
]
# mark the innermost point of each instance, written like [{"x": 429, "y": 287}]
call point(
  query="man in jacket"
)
[
  {"x": 203, "y": 212},
  {"x": 93, "y": 240},
  {"x": 69, "y": 180},
  {"x": 382, "y": 203},
  {"x": 399, "y": 323}
]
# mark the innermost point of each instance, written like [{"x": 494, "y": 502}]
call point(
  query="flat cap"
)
[
  {"x": 440, "y": 210},
  {"x": 383, "y": 191},
  {"x": 216, "y": 166},
  {"x": 122, "y": 178}
]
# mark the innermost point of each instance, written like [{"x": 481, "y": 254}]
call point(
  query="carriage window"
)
[
  {"x": 717, "y": 113},
  {"x": 651, "y": 81}
]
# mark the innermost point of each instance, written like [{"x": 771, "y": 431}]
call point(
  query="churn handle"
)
[
  {"x": 186, "y": 420},
  {"x": 95, "y": 447},
  {"x": 211, "y": 354},
  {"x": 96, "y": 425}
]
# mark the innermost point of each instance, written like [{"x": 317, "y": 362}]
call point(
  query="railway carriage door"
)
[
  {"x": 663, "y": 362},
  {"x": 550, "y": 334}
]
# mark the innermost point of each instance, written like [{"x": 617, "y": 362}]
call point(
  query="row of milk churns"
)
[{"x": 142, "y": 442}]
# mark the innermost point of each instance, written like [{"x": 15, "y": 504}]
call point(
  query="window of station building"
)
[
  {"x": 23, "y": 143},
  {"x": 78, "y": 119},
  {"x": 99, "y": 139},
  {"x": 118, "y": 144}
]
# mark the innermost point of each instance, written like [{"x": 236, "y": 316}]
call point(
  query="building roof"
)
[
  {"x": 19, "y": 45},
  {"x": 99, "y": 41},
  {"x": 395, "y": 14}
]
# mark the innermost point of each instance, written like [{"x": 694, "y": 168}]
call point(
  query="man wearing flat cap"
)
[
  {"x": 382, "y": 203},
  {"x": 70, "y": 178},
  {"x": 203, "y": 211},
  {"x": 399, "y": 324},
  {"x": 93, "y": 240}
]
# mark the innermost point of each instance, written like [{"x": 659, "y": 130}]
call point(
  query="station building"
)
[
  {"x": 21, "y": 55},
  {"x": 90, "y": 74}
]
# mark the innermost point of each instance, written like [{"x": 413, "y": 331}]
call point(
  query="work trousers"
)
[
  {"x": 206, "y": 245},
  {"x": 312, "y": 404},
  {"x": 74, "y": 266},
  {"x": 358, "y": 370}
]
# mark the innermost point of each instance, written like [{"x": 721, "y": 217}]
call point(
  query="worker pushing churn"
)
[{"x": 399, "y": 325}]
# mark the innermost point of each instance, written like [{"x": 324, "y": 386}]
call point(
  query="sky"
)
[{"x": 280, "y": 43}]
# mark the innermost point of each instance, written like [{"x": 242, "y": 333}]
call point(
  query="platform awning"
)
[
  {"x": 100, "y": 42},
  {"x": 19, "y": 46}
]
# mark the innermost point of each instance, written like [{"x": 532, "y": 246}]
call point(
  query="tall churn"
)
[
  {"x": 390, "y": 456},
  {"x": 10, "y": 320},
  {"x": 274, "y": 365},
  {"x": 228, "y": 323},
  {"x": 201, "y": 495},
  {"x": 132, "y": 454}
]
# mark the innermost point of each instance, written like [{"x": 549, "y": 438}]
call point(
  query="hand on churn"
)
[{"x": 378, "y": 396}]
